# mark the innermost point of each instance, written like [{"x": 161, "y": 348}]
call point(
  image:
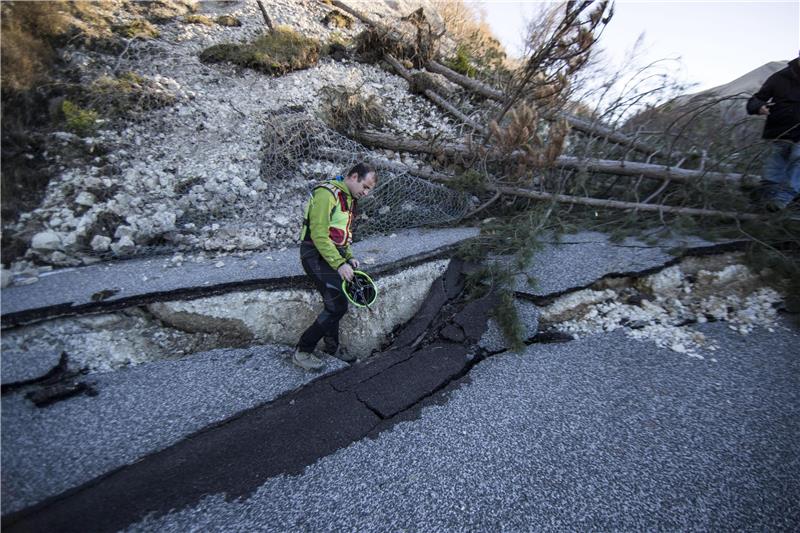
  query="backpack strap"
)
[{"x": 337, "y": 193}]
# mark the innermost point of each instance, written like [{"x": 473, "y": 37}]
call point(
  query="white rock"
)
[
  {"x": 124, "y": 246},
  {"x": 100, "y": 243},
  {"x": 59, "y": 258},
  {"x": 70, "y": 240},
  {"x": 86, "y": 198},
  {"x": 5, "y": 278},
  {"x": 678, "y": 347},
  {"x": 46, "y": 240},
  {"x": 250, "y": 242},
  {"x": 124, "y": 231},
  {"x": 65, "y": 137}
]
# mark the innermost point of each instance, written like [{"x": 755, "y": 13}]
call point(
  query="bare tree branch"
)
[{"x": 267, "y": 20}]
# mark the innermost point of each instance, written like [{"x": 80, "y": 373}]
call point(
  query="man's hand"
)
[
  {"x": 346, "y": 272},
  {"x": 353, "y": 262},
  {"x": 763, "y": 110}
]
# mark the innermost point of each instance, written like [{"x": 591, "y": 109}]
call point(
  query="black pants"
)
[{"x": 329, "y": 284}]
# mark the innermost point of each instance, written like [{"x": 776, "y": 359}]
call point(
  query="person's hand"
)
[
  {"x": 763, "y": 110},
  {"x": 346, "y": 272},
  {"x": 354, "y": 262}
]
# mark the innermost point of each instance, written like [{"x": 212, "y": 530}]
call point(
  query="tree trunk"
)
[
  {"x": 380, "y": 162},
  {"x": 357, "y": 14},
  {"x": 616, "y": 204},
  {"x": 466, "y": 82},
  {"x": 267, "y": 20},
  {"x": 433, "y": 97},
  {"x": 619, "y": 168}
]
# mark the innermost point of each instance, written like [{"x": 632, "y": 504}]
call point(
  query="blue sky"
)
[{"x": 717, "y": 41}]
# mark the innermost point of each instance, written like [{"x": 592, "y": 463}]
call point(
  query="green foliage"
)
[
  {"x": 508, "y": 245},
  {"x": 276, "y": 52},
  {"x": 469, "y": 181},
  {"x": 81, "y": 121},
  {"x": 499, "y": 278},
  {"x": 462, "y": 62},
  {"x": 125, "y": 95},
  {"x": 505, "y": 313}
]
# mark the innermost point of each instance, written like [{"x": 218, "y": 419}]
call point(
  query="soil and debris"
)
[{"x": 662, "y": 307}]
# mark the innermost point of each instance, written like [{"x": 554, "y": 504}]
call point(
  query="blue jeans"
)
[{"x": 782, "y": 172}]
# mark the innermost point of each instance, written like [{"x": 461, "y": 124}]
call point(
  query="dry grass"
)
[
  {"x": 125, "y": 95},
  {"x": 27, "y": 29},
  {"x": 411, "y": 39},
  {"x": 198, "y": 19},
  {"x": 526, "y": 132},
  {"x": 228, "y": 20},
  {"x": 276, "y": 52},
  {"x": 347, "y": 110},
  {"x": 337, "y": 19},
  {"x": 31, "y": 30},
  {"x": 477, "y": 48}
]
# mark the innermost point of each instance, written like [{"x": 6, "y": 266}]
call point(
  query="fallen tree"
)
[
  {"x": 477, "y": 87},
  {"x": 440, "y": 177},
  {"x": 433, "y": 96},
  {"x": 619, "y": 168}
]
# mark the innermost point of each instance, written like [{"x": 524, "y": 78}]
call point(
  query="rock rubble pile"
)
[{"x": 662, "y": 307}]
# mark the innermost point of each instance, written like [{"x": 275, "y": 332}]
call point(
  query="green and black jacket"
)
[{"x": 329, "y": 215}]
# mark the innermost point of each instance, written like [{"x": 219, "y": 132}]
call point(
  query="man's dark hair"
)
[{"x": 362, "y": 169}]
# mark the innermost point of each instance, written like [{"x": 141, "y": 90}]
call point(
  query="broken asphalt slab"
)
[
  {"x": 603, "y": 433},
  {"x": 238, "y": 456},
  {"x": 136, "y": 281},
  {"x": 31, "y": 367},
  {"x": 580, "y": 259},
  {"x": 137, "y": 411}
]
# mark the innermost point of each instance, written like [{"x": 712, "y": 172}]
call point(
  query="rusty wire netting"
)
[{"x": 303, "y": 149}]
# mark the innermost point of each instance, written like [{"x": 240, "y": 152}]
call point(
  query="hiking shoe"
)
[{"x": 307, "y": 361}]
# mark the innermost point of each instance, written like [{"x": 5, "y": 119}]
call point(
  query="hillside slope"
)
[{"x": 187, "y": 177}]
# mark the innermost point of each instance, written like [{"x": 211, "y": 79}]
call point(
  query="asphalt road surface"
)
[{"x": 603, "y": 433}]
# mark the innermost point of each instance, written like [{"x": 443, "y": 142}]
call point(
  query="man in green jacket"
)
[{"x": 327, "y": 258}]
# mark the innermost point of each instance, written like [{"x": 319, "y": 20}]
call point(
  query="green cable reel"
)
[{"x": 361, "y": 291}]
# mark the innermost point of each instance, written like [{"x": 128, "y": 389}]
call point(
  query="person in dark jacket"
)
[{"x": 779, "y": 100}]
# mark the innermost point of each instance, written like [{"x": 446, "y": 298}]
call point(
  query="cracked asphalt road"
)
[
  {"x": 137, "y": 411},
  {"x": 65, "y": 289},
  {"x": 604, "y": 433},
  {"x": 601, "y": 433}
]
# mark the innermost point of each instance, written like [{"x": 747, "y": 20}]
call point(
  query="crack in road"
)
[{"x": 238, "y": 455}]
